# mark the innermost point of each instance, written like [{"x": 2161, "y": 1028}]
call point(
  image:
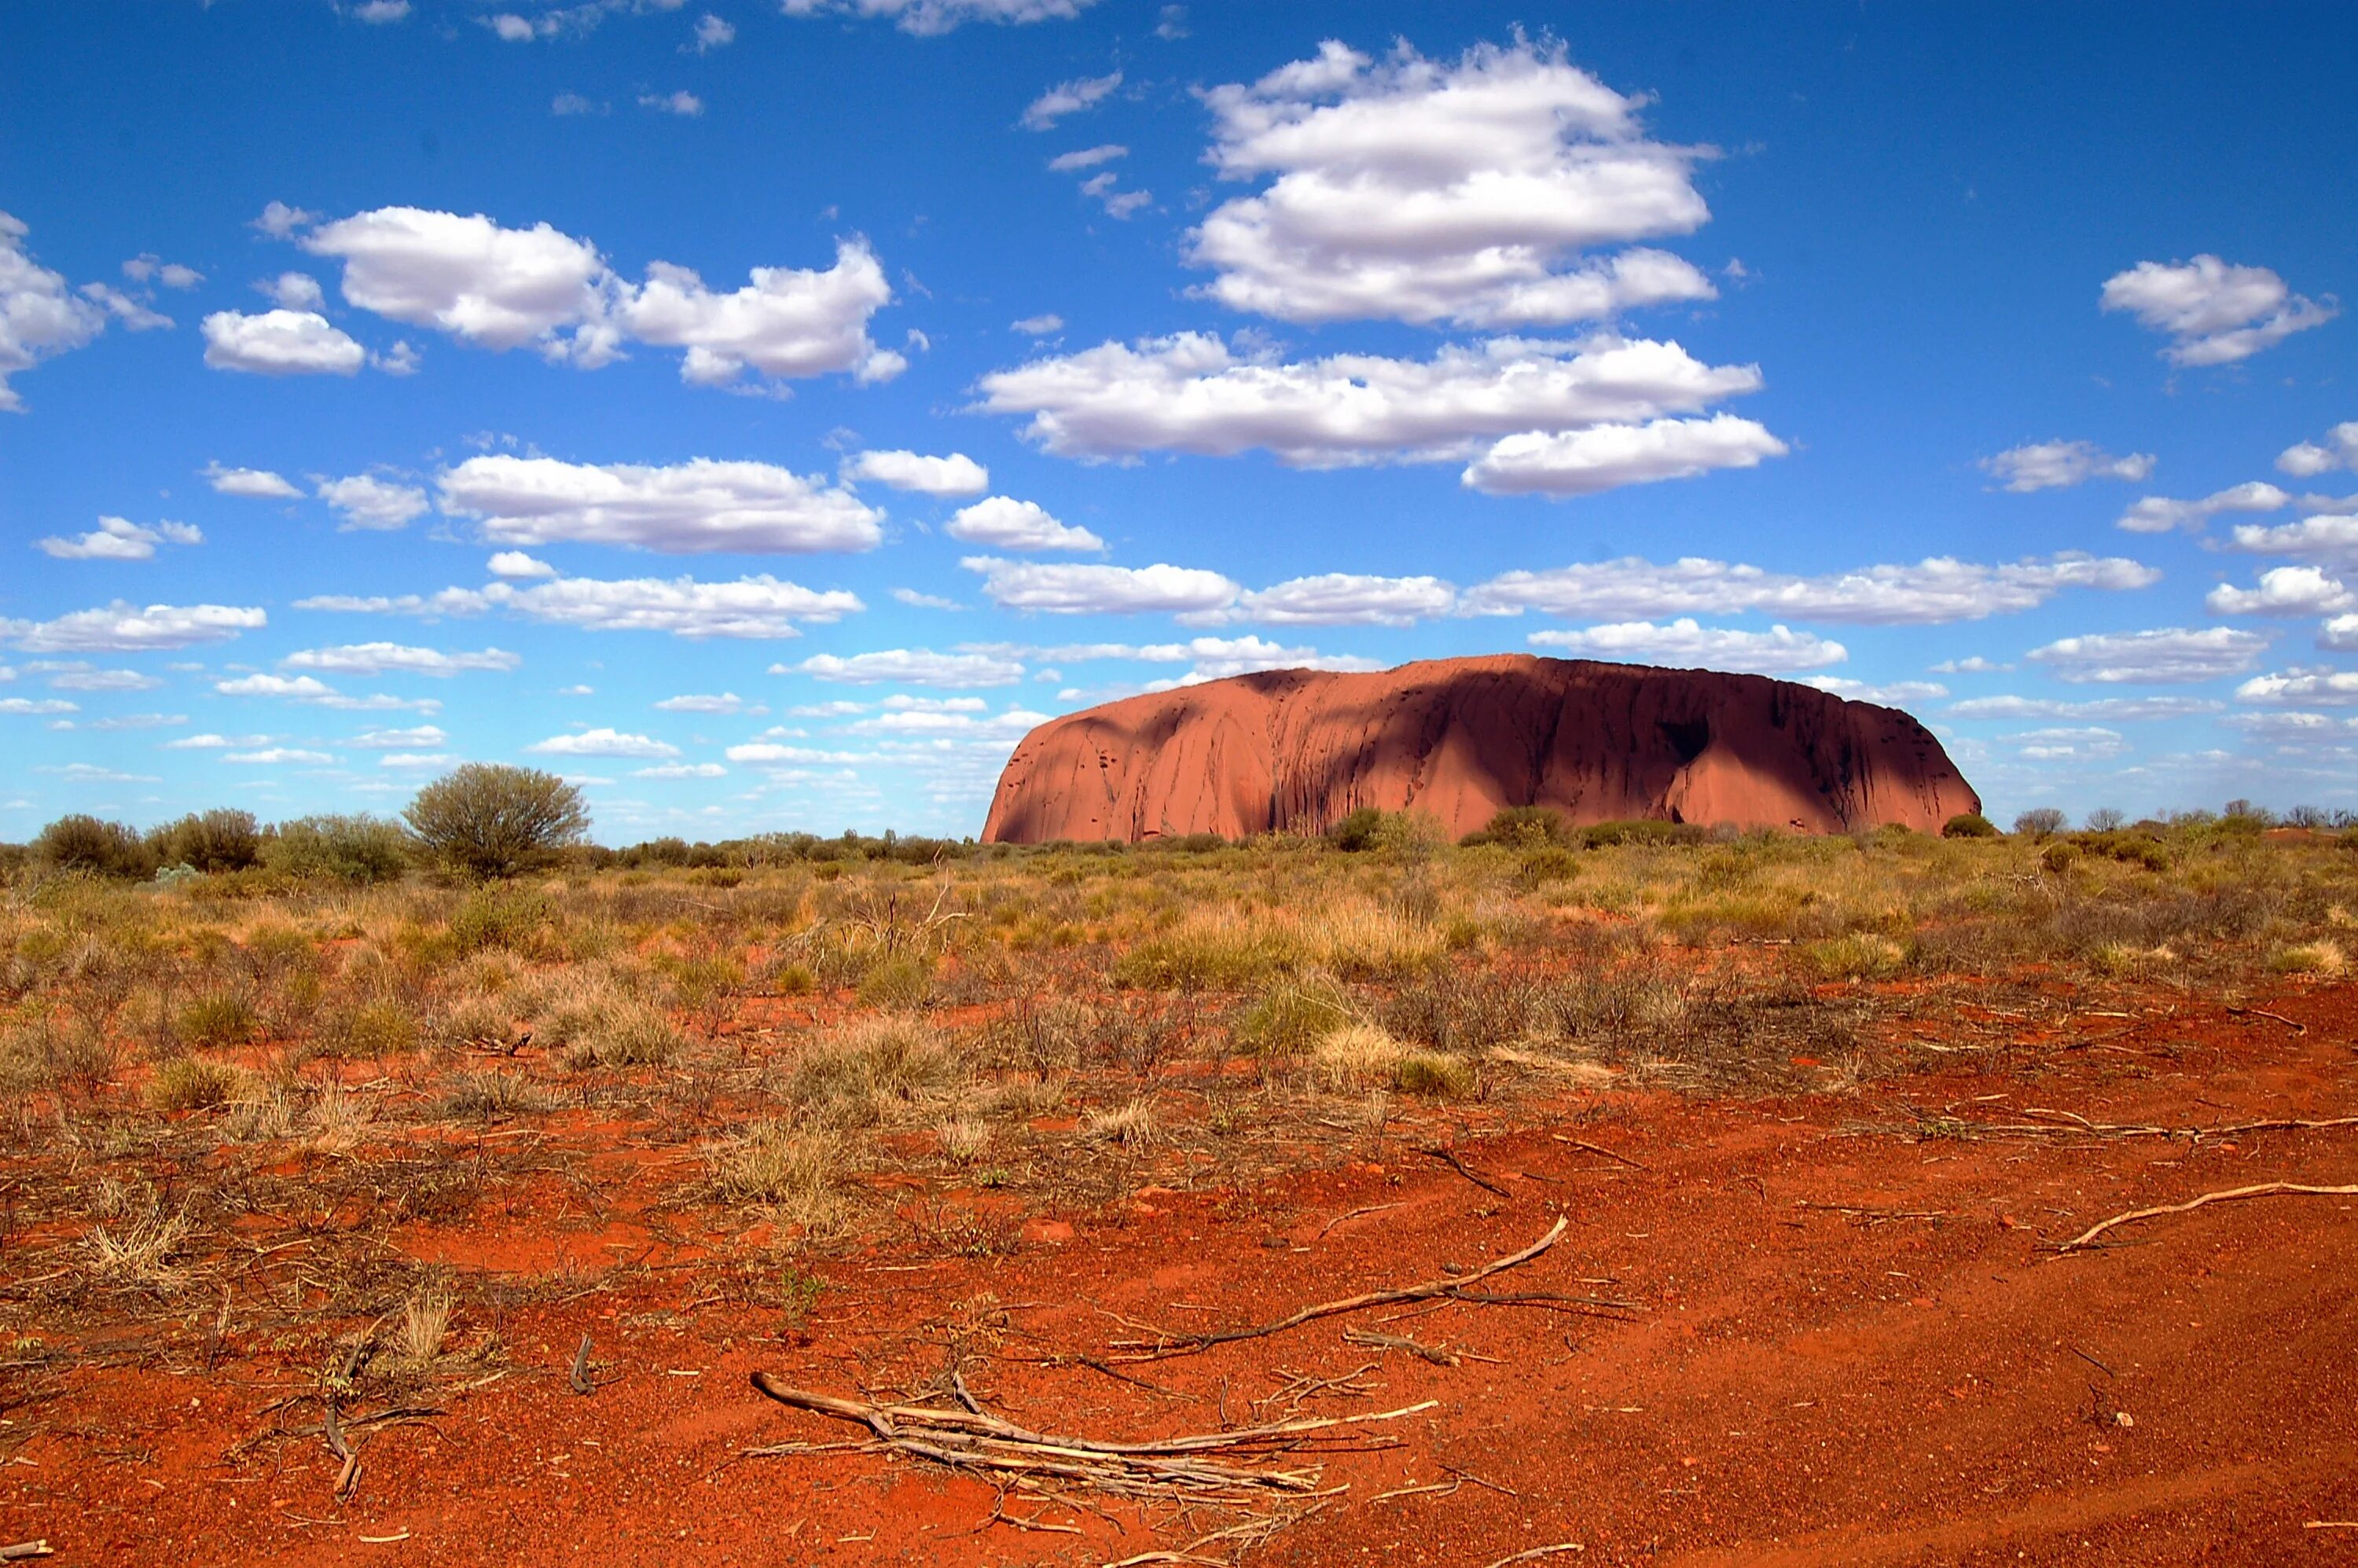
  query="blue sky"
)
[{"x": 765, "y": 412}]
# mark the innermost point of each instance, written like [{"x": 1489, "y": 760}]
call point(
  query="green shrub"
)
[
  {"x": 354, "y": 849},
  {"x": 191, "y": 1083},
  {"x": 83, "y": 843},
  {"x": 492, "y": 820},
  {"x": 219, "y": 1019},
  {"x": 1357, "y": 831},
  {"x": 1550, "y": 863},
  {"x": 1861, "y": 956},
  {"x": 1434, "y": 1075},
  {"x": 513, "y": 919},
  {"x": 902, "y": 982},
  {"x": 626, "y": 1033},
  {"x": 216, "y": 841},
  {"x": 1969, "y": 825},
  {"x": 2060, "y": 856},
  {"x": 1289, "y": 1019},
  {"x": 379, "y": 1028},
  {"x": 1523, "y": 827}
]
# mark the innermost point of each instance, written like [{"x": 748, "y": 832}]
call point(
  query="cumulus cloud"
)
[
  {"x": 926, "y": 19},
  {"x": 1007, "y": 524},
  {"x": 2339, "y": 449},
  {"x": 1191, "y": 392},
  {"x": 1605, "y": 457},
  {"x": 379, "y": 12},
  {"x": 956, "y": 474},
  {"x": 1062, "y": 590},
  {"x": 80, "y": 675},
  {"x": 366, "y": 503},
  {"x": 37, "y": 707},
  {"x": 280, "y": 342},
  {"x": 501, "y": 288},
  {"x": 910, "y": 666},
  {"x": 1010, "y": 725},
  {"x": 398, "y": 739},
  {"x": 1087, "y": 157},
  {"x": 712, "y": 33},
  {"x": 1067, "y": 98},
  {"x": 751, "y": 607},
  {"x": 516, "y": 566},
  {"x": 604, "y": 743},
  {"x": 1039, "y": 326},
  {"x": 2318, "y": 687},
  {"x": 1103, "y": 188},
  {"x": 1890, "y": 694},
  {"x": 40, "y": 316},
  {"x": 2215, "y": 313},
  {"x": 1688, "y": 642},
  {"x": 257, "y": 484},
  {"x": 911, "y": 597},
  {"x": 1426, "y": 190},
  {"x": 682, "y": 102},
  {"x": 2058, "y": 465},
  {"x": 379, "y": 658},
  {"x": 2160, "y": 515},
  {"x": 686, "y": 508},
  {"x": 2332, "y": 537},
  {"x": 279, "y": 755},
  {"x": 123, "y": 628},
  {"x": 2171, "y": 655},
  {"x": 1930, "y": 592},
  {"x": 118, "y": 539},
  {"x": 723, "y": 702},
  {"x": 1348, "y": 598},
  {"x": 2117, "y": 709},
  {"x": 2283, "y": 590},
  {"x": 135, "y": 314},
  {"x": 294, "y": 291}
]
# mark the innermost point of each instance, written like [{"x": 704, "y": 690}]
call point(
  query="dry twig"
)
[{"x": 2265, "y": 1189}]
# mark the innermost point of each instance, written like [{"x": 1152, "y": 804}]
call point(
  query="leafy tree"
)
[
  {"x": 356, "y": 849},
  {"x": 494, "y": 821},
  {"x": 1969, "y": 825},
  {"x": 83, "y": 843},
  {"x": 223, "y": 840}
]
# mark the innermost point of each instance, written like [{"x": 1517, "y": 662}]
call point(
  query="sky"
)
[{"x": 764, "y": 412}]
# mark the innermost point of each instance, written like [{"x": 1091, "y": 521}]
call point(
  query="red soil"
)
[
  {"x": 1802, "y": 1386},
  {"x": 1295, "y": 750}
]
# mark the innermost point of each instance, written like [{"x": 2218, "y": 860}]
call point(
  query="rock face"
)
[{"x": 1295, "y": 750}]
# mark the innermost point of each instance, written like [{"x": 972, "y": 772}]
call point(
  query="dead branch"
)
[
  {"x": 1540, "y": 1552},
  {"x": 1450, "y": 1159},
  {"x": 2296, "y": 1025},
  {"x": 1343, "y": 1219},
  {"x": 1191, "y": 1344},
  {"x": 1379, "y": 1341},
  {"x": 22, "y": 1550},
  {"x": 979, "y": 1443},
  {"x": 1600, "y": 1149},
  {"x": 2230, "y": 1194}
]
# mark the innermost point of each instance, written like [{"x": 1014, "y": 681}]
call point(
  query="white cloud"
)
[
  {"x": 378, "y": 13},
  {"x": 171, "y": 274},
  {"x": 280, "y": 342},
  {"x": 2330, "y": 538},
  {"x": 2160, "y": 515},
  {"x": 379, "y": 658},
  {"x": 759, "y": 607},
  {"x": 279, "y": 221},
  {"x": 39, "y": 315},
  {"x": 1974, "y": 665},
  {"x": 516, "y": 566},
  {"x": 301, "y": 688},
  {"x": 2117, "y": 709},
  {"x": 294, "y": 291},
  {"x": 276, "y": 755},
  {"x": 76, "y": 675},
  {"x": 1421, "y": 190},
  {"x": 2322, "y": 687},
  {"x": 136, "y": 315},
  {"x": 1605, "y": 456},
  {"x": 367, "y": 502},
  {"x": 1110, "y": 590},
  {"x": 682, "y": 771},
  {"x": 258, "y": 484},
  {"x": 725, "y": 702},
  {"x": 770, "y": 754},
  {"x": 2171, "y": 654},
  {"x": 911, "y": 597},
  {"x": 36, "y": 705},
  {"x": 1348, "y": 598},
  {"x": 2340, "y": 634},
  {"x": 686, "y": 508},
  {"x": 210, "y": 742},
  {"x": 2058, "y": 465},
  {"x": 2339, "y": 449},
  {"x": 956, "y": 474},
  {"x": 123, "y": 628},
  {"x": 1087, "y": 157},
  {"x": 2283, "y": 590},
  {"x": 1103, "y": 186},
  {"x": 1007, "y": 524},
  {"x": 604, "y": 743},
  {"x": 1685, "y": 641},
  {"x": 1929, "y": 592},
  {"x": 2293, "y": 728},
  {"x": 415, "y": 760},
  {"x": 1191, "y": 393},
  {"x": 712, "y": 33},
  {"x": 1039, "y": 326},
  {"x": 1068, "y": 98},
  {"x": 398, "y": 739},
  {"x": 928, "y": 18},
  {"x": 682, "y": 102},
  {"x": 118, "y": 539},
  {"x": 1887, "y": 694},
  {"x": 568, "y": 105},
  {"x": 910, "y": 666},
  {"x": 1216, "y": 658},
  {"x": 2215, "y": 313},
  {"x": 2085, "y": 744}
]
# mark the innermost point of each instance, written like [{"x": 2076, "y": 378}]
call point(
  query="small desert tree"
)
[
  {"x": 495, "y": 821},
  {"x": 2040, "y": 822}
]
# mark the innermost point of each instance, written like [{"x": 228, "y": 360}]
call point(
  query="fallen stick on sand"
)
[
  {"x": 1194, "y": 1344},
  {"x": 2264, "y": 1190},
  {"x": 975, "y": 1441}
]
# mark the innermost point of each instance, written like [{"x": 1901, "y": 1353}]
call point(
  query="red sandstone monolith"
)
[{"x": 1457, "y": 740}]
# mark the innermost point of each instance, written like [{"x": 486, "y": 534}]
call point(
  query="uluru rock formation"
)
[{"x": 1295, "y": 750}]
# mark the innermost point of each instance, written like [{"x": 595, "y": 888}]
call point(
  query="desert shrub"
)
[
  {"x": 625, "y": 1032},
  {"x": 874, "y": 1071},
  {"x": 221, "y": 840},
  {"x": 800, "y": 1171},
  {"x": 219, "y": 1019},
  {"x": 1132, "y": 1124},
  {"x": 382, "y": 1027},
  {"x": 490, "y": 1096},
  {"x": 191, "y": 1083},
  {"x": 2060, "y": 856},
  {"x": 351, "y": 848},
  {"x": 1290, "y": 1019},
  {"x": 83, "y": 843},
  {"x": 2104, "y": 820},
  {"x": 1434, "y": 1075},
  {"x": 1357, "y": 830},
  {"x": 2041, "y": 822},
  {"x": 1522, "y": 827},
  {"x": 1361, "y": 1056},
  {"x": 1225, "y": 955},
  {"x": 1860, "y": 956},
  {"x": 1548, "y": 863},
  {"x": 492, "y": 820},
  {"x": 1969, "y": 825},
  {"x": 1607, "y": 834},
  {"x": 513, "y": 919},
  {"x": 902, "y": 982},
  {"x": 2309, "y": 959}
]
